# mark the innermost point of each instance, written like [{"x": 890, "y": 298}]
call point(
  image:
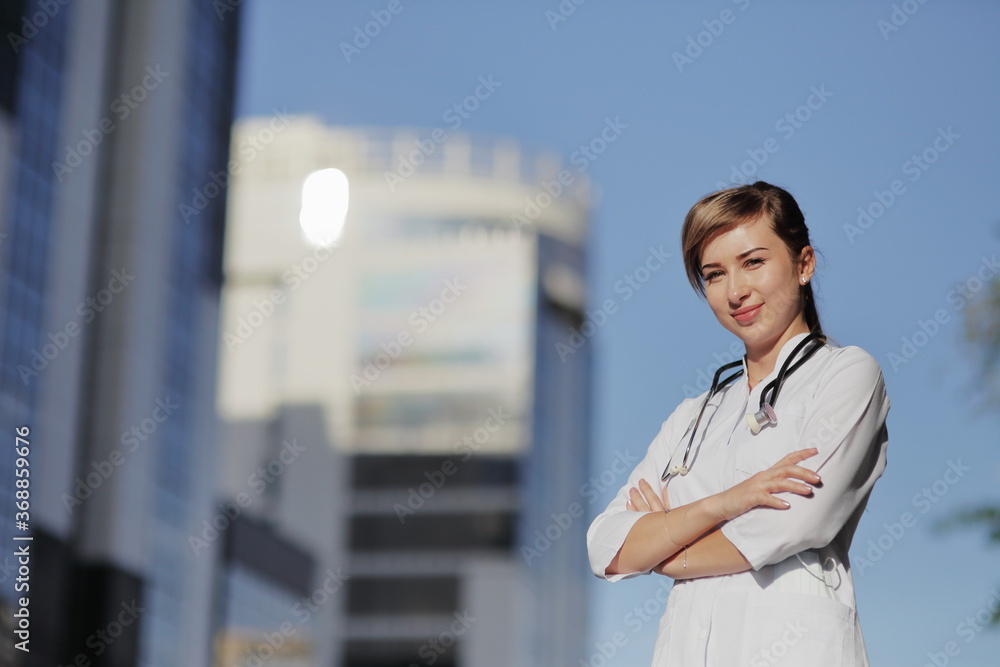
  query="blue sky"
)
[{"x": 832, "y": 101}]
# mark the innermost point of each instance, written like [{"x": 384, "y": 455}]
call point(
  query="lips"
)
[{"x": 747, "y": 314}]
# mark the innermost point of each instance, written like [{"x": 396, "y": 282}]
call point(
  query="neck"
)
[{"x": 760, "y": 360}]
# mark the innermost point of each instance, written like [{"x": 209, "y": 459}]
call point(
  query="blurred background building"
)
[
  {"x": 403, "y": 442},
  {"x": 416, "y": 339},
  {"x": 113, "y": 113}
]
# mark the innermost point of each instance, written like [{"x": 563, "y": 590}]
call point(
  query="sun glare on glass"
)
[{"x": 324, "y": 206}]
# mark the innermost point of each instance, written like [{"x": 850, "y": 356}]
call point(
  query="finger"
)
[
  {"x": 794, "y": 487},
  {"x": 775, "y": 502},
  {"x": 800, "y": 455},
  {"x": 651, "y": 496},
  {"x": 638, "y": 502},
  {"x": 793, "y": 472},
  {"x": 805, "y": 474},
  {"x": 764, "y": 498}
]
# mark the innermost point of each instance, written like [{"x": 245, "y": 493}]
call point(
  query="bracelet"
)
[
  {"x": 665, "y": 528},
  {"x": 685, "y": 547}
]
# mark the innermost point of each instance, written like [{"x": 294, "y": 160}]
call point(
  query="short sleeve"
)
[
  {"x": 846, "y": 421},
  {"x": 609, "y": 529}
]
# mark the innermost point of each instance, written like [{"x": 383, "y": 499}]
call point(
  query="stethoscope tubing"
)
[{"x": 773, "y": 386}]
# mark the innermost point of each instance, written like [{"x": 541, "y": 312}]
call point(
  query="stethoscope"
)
[{"x": 768, "y": 397}]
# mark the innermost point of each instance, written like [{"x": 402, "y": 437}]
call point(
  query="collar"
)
[{"x": 783, "y": 353}]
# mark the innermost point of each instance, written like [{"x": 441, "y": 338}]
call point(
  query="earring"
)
[{"x": 803, "y": 281}]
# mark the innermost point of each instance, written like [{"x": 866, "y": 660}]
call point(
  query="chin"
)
[
  {"x": 754, "y": 335},
  {"x": 747, "y": 337}
]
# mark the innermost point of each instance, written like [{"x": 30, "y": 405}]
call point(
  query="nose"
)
[{"x": 738, "y": 288}]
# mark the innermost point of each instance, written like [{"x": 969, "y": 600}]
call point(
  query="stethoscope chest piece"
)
[
  {"x": 758, "y": 420},
  {"x": 677, "y": 470}
]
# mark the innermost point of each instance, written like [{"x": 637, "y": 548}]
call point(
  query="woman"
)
[{"x": 760, "y": 505}]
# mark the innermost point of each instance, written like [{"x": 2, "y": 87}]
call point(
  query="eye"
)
[
  {"x": 755, "y": 261},
  {"x": 712, "y": 275}
]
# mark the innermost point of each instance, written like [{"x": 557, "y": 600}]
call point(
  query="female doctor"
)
[{"x": 762, "y": 496}]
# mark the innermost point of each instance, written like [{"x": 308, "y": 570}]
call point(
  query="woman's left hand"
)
[{"x": 645, "y": 499}]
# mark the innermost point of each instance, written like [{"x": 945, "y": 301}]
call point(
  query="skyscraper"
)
[
  {"x": 114, "y": 114},
  {"x": 426, "y": 328}
]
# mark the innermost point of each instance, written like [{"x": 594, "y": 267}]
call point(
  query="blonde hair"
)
[{"x": 723, "y": 211}]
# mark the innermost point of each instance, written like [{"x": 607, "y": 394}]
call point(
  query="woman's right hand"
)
[{"x": 757, "y": 491}]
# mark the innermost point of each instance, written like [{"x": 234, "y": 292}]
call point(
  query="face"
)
[{"x": 753, "y": 286}]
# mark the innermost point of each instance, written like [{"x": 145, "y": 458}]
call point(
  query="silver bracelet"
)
[{"x": 685, "y": 547}]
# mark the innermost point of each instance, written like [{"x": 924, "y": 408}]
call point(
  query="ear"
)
[{"x": 807, "y": 263}]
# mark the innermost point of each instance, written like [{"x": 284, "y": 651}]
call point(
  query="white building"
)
[{"x": 424, "y": 327}]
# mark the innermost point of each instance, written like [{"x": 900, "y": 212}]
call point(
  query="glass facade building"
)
[{"x": 113, "y": 114}]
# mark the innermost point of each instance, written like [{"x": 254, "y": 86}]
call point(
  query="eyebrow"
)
[{"x": 740, "y": 256}]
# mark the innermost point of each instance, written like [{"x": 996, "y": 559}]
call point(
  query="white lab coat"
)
[{"x": 785, "y": 610}]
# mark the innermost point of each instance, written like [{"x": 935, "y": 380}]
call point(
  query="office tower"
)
[
  {"x": 282, "y": 569},
  {"x": 436, "y": 330},
  {"x": 114, "y": 114}
]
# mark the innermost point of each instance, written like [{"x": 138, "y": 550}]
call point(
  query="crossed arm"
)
[
  {"x": 847, "y": 423},
  {"x": 656, "y": 541},
  {"x": 709, "y": 555},
  {"x": 712, "y": 554}
]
